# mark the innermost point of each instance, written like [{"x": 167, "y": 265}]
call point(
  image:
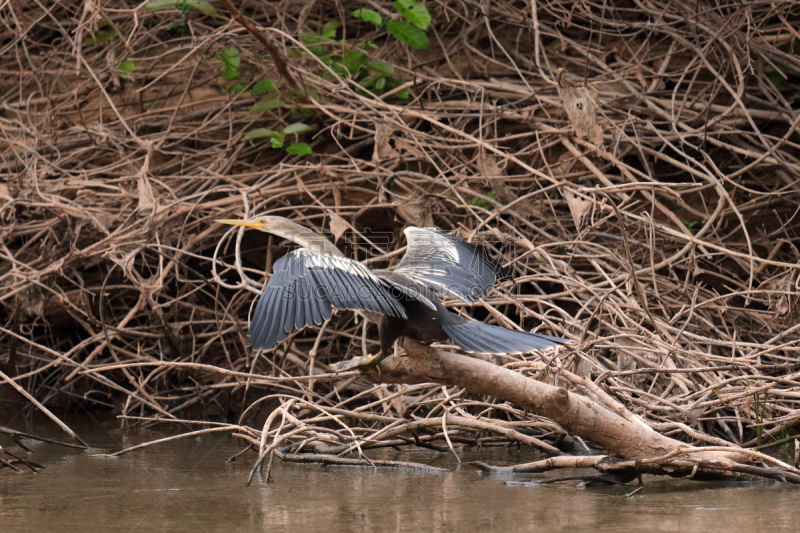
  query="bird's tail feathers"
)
[{"x": 477, "y": 337}]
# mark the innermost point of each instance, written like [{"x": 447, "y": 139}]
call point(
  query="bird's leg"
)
[{"x": 388, "y": 334}]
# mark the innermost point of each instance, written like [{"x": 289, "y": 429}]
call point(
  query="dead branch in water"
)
[
  {"x": 577, "y": 414},
  {"x": 646, "y": 450}
]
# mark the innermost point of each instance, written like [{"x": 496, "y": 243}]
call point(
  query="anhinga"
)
[{"x": 306, "y": 283}]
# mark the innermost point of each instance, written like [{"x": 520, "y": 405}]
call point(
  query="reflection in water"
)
[{"x": 187, "y": 486}]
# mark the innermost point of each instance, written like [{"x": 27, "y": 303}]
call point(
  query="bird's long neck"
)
[{"x": 304, "y": 237}]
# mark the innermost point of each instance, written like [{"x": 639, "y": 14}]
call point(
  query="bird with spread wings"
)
[{"x": 310, "y": 281}]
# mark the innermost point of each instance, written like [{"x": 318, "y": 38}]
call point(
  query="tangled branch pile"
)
[{"x": 636, "y": 165}]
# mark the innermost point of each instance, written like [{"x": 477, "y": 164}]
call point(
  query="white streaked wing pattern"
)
[
  {"x": 305, "y": 285},
  {"x": 447, "y": 264}
]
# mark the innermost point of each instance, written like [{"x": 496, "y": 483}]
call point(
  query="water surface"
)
[{"x": 188, "y": 486}]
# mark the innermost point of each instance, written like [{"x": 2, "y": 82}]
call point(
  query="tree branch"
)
[
  {"x": 579, "y": 415},
  {"x": 266, "y": 40}
]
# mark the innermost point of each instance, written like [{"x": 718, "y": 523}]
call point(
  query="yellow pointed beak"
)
[{"x": 245, "y": 223}]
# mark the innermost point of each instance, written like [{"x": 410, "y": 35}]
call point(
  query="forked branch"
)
[{"x": 632, "y": 446}]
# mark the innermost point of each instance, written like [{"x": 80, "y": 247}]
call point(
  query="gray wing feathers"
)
[
  {"x": 302, "y": 301},
  {"x": 303, "y": 288},
  {"x": 477, "y": 337},
  {"x": 447, "y": 264},
  {"x": 259, "y": 334}
]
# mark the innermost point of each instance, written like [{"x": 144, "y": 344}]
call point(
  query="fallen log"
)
[{"x": 632, "y": 445}]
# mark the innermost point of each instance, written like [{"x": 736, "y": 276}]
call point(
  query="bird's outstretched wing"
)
[
  {"x": 305, "y": 285},
  {"x": 447, "y": 264}
]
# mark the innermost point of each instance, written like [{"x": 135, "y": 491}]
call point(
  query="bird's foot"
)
[{"x": 361, "y": 361}]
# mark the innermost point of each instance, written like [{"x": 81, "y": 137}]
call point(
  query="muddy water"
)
[{"x": 188, "y": 486}]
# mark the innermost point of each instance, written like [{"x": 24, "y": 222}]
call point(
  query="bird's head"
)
[
  {"x": 259, "y": 223},
  {"x": 289, "y": 230}
]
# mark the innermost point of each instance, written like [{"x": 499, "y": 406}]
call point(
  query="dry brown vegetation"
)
[{"x": 635, "y": 164}]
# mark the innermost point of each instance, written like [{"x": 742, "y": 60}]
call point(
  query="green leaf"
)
[
  {"x": 265, "y": 104},
  {"x": 258, "y": 133},
  {"x": 239, "y": 87},
  {"x": 199, "y": 5},
  {"x": 231, "y": 61},
  {"x": 263, "y": 87},
  {"x": 414, "y": 12},
  {"x": 690, "y": 223},
  {"x": 406, "y": 33},
  {"x": 380, "y": 67},
  {"x": 299, "y": 149},
  {"x": 158, "y": 5},
  {"x": 380, "y": 84},
  {"x": 298, "y": 114},
  {"x": 230, "y": 58},
  {"x": 311, "y": 92},
  {"x": 482, "y": 202},
  {"x": 369, "y": 45},
  {"x": 403, "y": 94},
  {"x": 352, "y": 60},
  {"x": 229, "y": 74},
  {"x": 368, "y": 81},
  {"x": 125, "y": 68},
  {"x": 192, "y": 5},
  {"x": 276, "y": 143},
  {"x": 775, "y": 77},
  {"x": 99, "y": 38},
  {"x": 369, "y": 15},
  {"x": 338, "y": 69},
  {"x": 330, "y": 27},
  {"x": 297, "y": 127},
  {"x": 309, "y": 37},
  {"x": 179, "y": 28},
  {"x": 318, "y": 50}
]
